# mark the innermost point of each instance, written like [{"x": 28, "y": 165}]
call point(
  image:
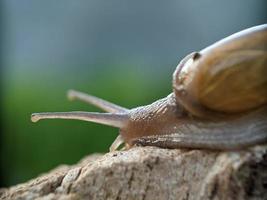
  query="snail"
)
[{"x": 219, "y": 101}]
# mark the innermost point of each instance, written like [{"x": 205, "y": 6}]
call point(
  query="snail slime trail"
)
[{"x": 219, "y": 101}]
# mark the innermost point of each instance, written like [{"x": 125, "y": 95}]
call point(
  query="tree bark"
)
[{"x": 154, "y": 173}]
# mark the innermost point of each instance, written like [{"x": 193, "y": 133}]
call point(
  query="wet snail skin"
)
[{"x": 219, "y": 101}]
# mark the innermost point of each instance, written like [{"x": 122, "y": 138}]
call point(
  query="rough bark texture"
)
[{"x": 153, "y": 173}]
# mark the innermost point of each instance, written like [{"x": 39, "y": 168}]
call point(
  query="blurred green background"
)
[{"x": 122, "y": 51}]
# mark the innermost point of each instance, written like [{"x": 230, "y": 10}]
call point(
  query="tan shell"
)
[{"x": 229, "y": 76}]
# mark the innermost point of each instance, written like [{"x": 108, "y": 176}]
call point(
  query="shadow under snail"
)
[{"x": 219, "y": 101}]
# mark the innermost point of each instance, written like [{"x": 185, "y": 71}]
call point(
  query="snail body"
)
[{"x": 219, "y": 101}]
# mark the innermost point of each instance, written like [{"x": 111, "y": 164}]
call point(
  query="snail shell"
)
[{"x": 229, "y": 76}]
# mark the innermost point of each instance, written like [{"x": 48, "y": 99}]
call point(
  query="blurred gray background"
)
[{"x": 123, "y": 51}]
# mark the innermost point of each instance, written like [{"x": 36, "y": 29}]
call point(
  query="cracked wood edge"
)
[{"x": 153, "y": 173}]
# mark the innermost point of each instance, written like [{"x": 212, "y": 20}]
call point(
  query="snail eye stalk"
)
[
  {"x": 110, "y": 119},
  {"x": 98, "y": 102}
]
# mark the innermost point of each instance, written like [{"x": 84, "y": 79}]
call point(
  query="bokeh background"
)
[{"x": 122, "y": 51}]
